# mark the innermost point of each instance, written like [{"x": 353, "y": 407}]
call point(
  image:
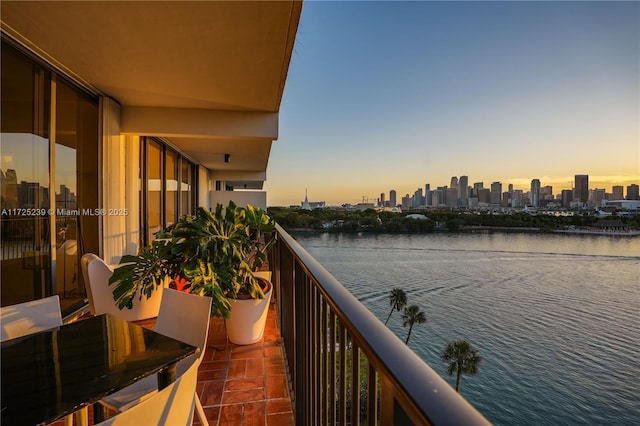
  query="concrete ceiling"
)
[{"x": 191, "y": 55}]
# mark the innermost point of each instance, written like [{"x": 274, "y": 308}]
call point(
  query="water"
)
[{"x": 555, "y": 317}]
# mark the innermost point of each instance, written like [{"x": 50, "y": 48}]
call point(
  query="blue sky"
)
[{"x": 393, "y": 95}]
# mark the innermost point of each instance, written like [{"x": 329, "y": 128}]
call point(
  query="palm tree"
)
[
  {"x": 462, "y": 359},
  {"x": 410, "y": 316},
  {"x": 397, "y": 301}
]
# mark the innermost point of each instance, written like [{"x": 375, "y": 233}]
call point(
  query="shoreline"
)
[{"x": 630, "y": 233}]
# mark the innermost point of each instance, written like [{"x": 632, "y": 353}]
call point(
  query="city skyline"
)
[
  {"x": 393, "y": 95},
  {"x": 473, "y": 184}
]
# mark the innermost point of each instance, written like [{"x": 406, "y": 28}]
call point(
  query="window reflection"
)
[
  {"x": 168, "y": 190},
  {"x": 68, "y": 284},
  {"x": 154, "y": 188},
  {"x": 171, "y": 183},
  {"x": 186, "y": 184},
  {"x": 24, "y": 180},
  {"x": 24, "y": 199},
  {"x": 28, "y": 183}
]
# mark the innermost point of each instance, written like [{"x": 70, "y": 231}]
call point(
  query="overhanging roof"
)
[{"x": 203, "y": 59}]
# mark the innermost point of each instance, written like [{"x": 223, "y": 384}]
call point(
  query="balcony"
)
[{"x": 324, "y": 360}]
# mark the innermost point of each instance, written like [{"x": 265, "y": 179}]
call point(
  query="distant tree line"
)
[{"x": 370, "y": 220}]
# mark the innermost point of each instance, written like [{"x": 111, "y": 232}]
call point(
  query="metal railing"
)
[
  {"x": 23, "y": 235},
  {"x": 346, "y": 366}
]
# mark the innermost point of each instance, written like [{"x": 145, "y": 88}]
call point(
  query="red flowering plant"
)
[{"x": 181, "y": 284}]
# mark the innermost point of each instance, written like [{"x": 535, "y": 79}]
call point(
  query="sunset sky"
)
[{"x": 394, "y": 95}]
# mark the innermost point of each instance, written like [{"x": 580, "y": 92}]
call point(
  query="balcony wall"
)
[
  {"x": 240, "y": 198},
  {"x": 346, "y": 366}
]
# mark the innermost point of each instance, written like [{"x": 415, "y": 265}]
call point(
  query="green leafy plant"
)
[{"x": 214, "y": 251}]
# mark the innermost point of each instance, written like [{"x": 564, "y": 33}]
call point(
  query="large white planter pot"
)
[{"x": 248, "y": 319}]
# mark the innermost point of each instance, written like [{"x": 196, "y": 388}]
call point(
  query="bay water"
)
[{"x": 556, "y": 318}]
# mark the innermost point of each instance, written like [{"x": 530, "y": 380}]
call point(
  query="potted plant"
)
[
  {"x": 210, "y": 253},
  {"x": 248, "y": 316}
]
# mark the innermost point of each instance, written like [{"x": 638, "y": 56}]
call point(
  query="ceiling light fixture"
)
[{"x": 227, "y": 158}]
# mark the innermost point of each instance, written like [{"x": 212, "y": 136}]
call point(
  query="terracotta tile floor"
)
[
  {"x": 245, "y": 385},
  {"x": 241, "y": 385}
]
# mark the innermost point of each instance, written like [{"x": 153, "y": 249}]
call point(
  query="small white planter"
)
[{"x": 248, "y": 319}]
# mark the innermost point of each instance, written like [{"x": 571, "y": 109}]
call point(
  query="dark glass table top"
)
[{"x": 53, "y": 373}]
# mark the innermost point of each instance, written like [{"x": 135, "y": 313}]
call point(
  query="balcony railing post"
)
[
  {"x": 315, "y": 355},
  {"x": 342, "y": 382},
  {"x": 284, "y": 278},
  {"x": 331, "y": 371},
  {"x": 372, "y": 397},
  {"x": 301, "y": 349},
  {"x": 355, "y": 384},
  {"x": 386, "y": 401},
  {"x": 323, "y": 363}
]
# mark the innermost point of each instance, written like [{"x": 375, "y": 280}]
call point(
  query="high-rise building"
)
[
  {"x": 476, "y": 188},
  {"x": 535, "y": 193},
  {"x": 407, "y": 202},
  {"x": 417, "y": 198},
  {"x": 596, "y": 196},
  {"x": 484, "y": 195},
  {"x": 506, "y": 196},
  {"x": 516, "y": 198},
  {"x": 452, "y": 197},
  {"x": 428, "y": 198},
  {"x": 443, "y": 195},
  {"x": 463, "y": 191},
  {"x": 381, "y": 204},
  {"x": 618, "y": 192},
  {"x": 581, "y": 188},
  {"x": 633, "y": 192},
  {"x": 392, "y": 198},
  {"x": 546, "y": 192},
  {"x": 10, "y": 190},
  {"x": 454, "y": 182},
  {"x": 436, "y": 198},
  {"x": 567, "y": 198},
  {"x": 496, "y": 193}
]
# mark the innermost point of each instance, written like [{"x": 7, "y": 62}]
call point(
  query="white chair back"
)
[
  {"x": 173, "y": 405},
  {"x": 100, "y": 293},
  {"x": 185, "y": 317},
  {"x": 29, "y": 317}
]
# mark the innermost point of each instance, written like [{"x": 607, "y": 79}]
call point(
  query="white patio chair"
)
[
  {"x": 67, "y": 280},
  {"x": 184, "y": 317},
  {"x": 100, "y": 293},
  {"x": 173, "y": 405},
  {"x": 29, "y": 317}
]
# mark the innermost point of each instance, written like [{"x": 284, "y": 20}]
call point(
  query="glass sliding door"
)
[
  {"x": 75, "y": 199},
  {"x": 167, "y": 192},
  {"x": 24, "y": 174},
  {"x": 46, "y": 180}
]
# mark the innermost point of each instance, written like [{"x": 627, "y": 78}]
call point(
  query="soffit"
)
[
  {"x": 209, "y": 55},
  {"x": 184, "y": 54},
  {"x": 246, "y": 155}
]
